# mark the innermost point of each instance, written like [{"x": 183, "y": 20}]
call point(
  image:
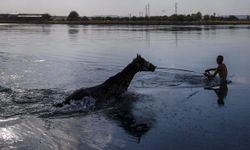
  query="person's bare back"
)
[{"x": 222, "y": 71}]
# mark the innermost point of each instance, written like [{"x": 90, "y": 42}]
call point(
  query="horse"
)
[{"x": 113, "y": 87}]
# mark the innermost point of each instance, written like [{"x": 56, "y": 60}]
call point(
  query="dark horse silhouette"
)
[{"x": 114, "y": 86}]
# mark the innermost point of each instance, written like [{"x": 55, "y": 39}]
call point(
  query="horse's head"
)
[{"x": 143, "y": 65}]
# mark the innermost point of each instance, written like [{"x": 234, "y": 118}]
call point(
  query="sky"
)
[{"x": 125, "y": 7}]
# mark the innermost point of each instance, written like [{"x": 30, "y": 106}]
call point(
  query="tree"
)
[
  {"x": 198, "y": 16},
  {"x": 173, "y": 17},
  {"x": 73, "y": 16},
  {"x": 133, "y": 18},
  {"x": 189, "y": 18},
  {"x": 206, "y": 17},
  {"x": 232, "y": 18},
  {"x": 181, "y": 17},
  {"x": 84, "y": 18},
  {"x": 46, "y": 17},
  {"x": 165, "y": 18},
  {"x": 108, "y": 18},
  {"x": 212, "y": 17}
]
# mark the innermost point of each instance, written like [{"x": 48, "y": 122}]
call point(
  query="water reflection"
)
[
  {"x": 46, "y": 29},
  {"x": 176, "y": 38},
  {"x": 7, "y": 136},
  {"x": 221, "y": 93},
  {"x": 147, "y": 36},
  {"x": 73, "y": 30},
  {"x": 7, "y": 132},
  {"x": 126, "y": 112},
  {"x": 134, "y": 123}
]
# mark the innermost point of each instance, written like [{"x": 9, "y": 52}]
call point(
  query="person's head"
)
[{"x": 220, "y": 59}]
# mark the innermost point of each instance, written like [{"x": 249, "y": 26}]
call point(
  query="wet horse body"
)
[
  {"x": 112, "y": 87},
  {"x": 115, "y": 85}
]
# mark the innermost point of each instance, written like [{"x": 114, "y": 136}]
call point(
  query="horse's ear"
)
[{"x": 138, "y": 55}]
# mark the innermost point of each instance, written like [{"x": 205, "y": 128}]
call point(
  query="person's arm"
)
[
  {"x": 211, "y": 69},
  {"x": 216, "y": 71}
]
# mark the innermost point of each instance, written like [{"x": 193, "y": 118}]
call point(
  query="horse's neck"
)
[
  {"x": 124, "y": 77},
  {"x": 128, "y": 74}
]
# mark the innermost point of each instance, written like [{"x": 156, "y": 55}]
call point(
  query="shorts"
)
[{"x": 223, "y": 82}]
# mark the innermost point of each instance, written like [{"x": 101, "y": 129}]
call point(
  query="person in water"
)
[
  {"x": 222, "y": 91},
  {"x": 221, "y": 70}
]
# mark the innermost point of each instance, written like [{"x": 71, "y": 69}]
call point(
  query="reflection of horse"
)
[
  {"x": 123, "y": 111},
  {"x": 114, "y": 86},
  {"x": 134, "y": 122}
]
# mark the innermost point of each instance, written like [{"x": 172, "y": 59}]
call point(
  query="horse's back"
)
[
  {"x": 95, "y": 92},
  {"x": 78, "y": 94}
]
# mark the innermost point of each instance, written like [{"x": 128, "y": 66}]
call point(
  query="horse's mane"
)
[{"x": 121, "y": 75}]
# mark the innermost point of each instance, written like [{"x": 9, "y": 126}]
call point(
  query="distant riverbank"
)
[{"x": 109, "y": 22}]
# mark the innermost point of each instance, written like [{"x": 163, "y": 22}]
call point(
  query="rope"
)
[{"x": 177, "y": 69}]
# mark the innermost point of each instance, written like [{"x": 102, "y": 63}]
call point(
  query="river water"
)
[{"x": 170, "y": 108}]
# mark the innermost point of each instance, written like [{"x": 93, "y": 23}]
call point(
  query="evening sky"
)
[{"x": 125, "y": 7}]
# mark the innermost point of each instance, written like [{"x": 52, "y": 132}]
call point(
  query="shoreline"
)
[{"x": 108, "y": 22}]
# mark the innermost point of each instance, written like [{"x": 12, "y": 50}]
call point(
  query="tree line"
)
[{"x": 74, "y": 16}]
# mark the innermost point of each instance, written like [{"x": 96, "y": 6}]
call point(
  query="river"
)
[{"x": 170, "y": 108}]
